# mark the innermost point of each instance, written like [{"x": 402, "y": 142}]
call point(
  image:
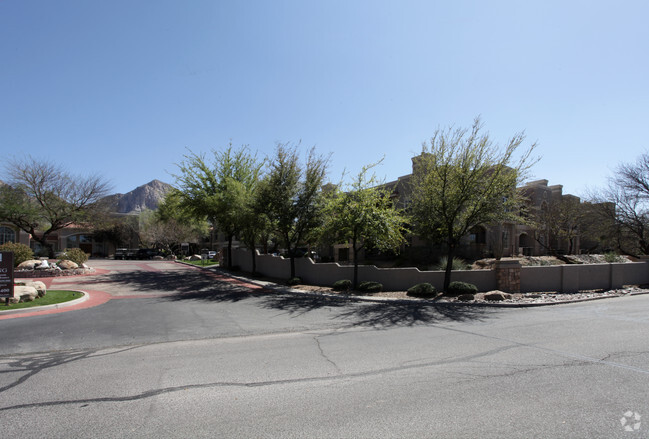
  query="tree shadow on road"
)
[
  {"x": 381, "y": 314},
  {"x": 218, "y": 287}
]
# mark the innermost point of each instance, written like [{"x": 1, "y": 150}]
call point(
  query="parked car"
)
[
  {"x": 131, "y": 253},
  {"x": 120, "y": 253},
  {"x": 146, "y": 253}
]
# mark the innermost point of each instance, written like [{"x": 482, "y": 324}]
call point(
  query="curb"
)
[{"x": 81, "y": 299}]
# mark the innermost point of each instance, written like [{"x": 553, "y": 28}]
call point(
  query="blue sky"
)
[{"x": 122, "y": 88}]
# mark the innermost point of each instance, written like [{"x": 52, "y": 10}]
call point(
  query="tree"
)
[
  {"x": 462, "y": 180},
  {"x": 625, "y": 203},
  {"x": 41, "y": 198},
  {"x": 292, "y": 195},
  {"x": 218, "y": 190},
  {"x": 363, "y": 215},
  {"x": 559, "y": 222},
  {"x": 254, "y": 222}
]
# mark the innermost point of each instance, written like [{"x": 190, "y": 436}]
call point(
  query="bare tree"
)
[{"x": 41, "y": 197}]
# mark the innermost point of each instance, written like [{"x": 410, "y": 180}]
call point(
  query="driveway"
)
[{"x": 181, "y": 352}]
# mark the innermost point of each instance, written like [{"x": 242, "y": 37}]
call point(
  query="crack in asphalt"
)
[
  {"x": 224, "y": 384},
  {"x": 323, "y": 355}
]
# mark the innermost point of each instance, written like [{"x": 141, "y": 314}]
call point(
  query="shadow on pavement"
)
[{"x": 214, "y": 287}]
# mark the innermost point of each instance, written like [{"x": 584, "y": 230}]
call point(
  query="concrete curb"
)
[
  {"x": 81, "y": 299},
  {"x": 285, "y": 289}
]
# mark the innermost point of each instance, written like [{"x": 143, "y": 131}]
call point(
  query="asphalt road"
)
[{"x": 180, "y": 352}]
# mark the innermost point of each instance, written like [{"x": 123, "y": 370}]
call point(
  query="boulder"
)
[
  {"x": 40, "y": 287},
  {"x": 465, "y": 297},
  {"x": 29, "y": 265},
  {"x": 497, "y": 296},
  {"x": 24, "y": 293},
  {"x": 170, "y": 258},
  {"x": 195, "y": 258},
  {"x": 44, "y": 265},
  {"x": 158, "y": 258},
  {"x": 67, "y": 265}
]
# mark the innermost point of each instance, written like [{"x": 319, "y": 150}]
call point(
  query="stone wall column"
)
[{"x": 508, "y": 275}]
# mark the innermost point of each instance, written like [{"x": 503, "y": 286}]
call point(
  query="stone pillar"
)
[{"x": 508, "y": 275}]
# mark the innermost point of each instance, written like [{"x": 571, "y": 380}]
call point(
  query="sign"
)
[{"x": 6, "y": 274}]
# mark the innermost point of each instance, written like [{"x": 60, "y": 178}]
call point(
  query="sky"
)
[{"x": 124, "y": 89}]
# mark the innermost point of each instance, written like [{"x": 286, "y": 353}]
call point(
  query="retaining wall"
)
[{"x": 563, "y": 278}]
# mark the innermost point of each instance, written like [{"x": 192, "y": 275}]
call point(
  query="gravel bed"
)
[{"x": 539, "y": 298}]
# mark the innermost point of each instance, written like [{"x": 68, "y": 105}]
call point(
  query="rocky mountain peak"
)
[{"x": 147, "y": 196}]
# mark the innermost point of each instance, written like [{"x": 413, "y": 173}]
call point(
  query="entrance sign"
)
[{"x": 6, "y": 275}]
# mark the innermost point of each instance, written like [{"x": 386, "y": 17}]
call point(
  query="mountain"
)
[{"x": 144, "y": 197}]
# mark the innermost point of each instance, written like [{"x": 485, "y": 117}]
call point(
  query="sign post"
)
[{"x": 6, "y": 275}]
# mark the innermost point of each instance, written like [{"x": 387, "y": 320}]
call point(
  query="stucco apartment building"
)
[
  {"x": 69, "y": 237},
  {"x": 506, "y": 239}
]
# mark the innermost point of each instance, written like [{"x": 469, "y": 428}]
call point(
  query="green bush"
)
[
  {"x": 75, "y": 255},
  {"x": 21, "y": 252},
  {"x": 458, "y": 264},
  {"x": 342, "y": 285},
  {"x": 370, "y": 287},
  {"x": 458, "y": 288},
  {"x": 294, "y": 281},
  {"x": 612, "y": 257},
  {"x": 422, "y": 290}
]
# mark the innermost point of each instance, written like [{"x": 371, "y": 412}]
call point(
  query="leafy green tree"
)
[
  {"x": 292, "y": 195},
  {"x": 217, "y": 190},
  {"x": 255, "y": 224},
  {"x": 462, "y": 180},
  {"x": 364, "y": 216},
  {"x": 41, "y": 197}
]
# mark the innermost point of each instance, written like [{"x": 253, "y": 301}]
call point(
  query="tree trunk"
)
[
  {"x": 449, "y": 266},
  {"x": 355, "y": 256},
  {"x": 254, "y": 260},
  {"x": 292, "y": 255},
  {"x": 229, "y": 252}
]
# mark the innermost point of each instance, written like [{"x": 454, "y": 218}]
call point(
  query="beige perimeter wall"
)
[{"x": 563, "y": 278}]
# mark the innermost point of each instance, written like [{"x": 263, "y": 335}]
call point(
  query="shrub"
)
[
  {"x": 458, "y": 264},
  {"x": 422, "y": 290},
  {"x": 294, "y": 281},
  {"x": 21, "y": 252},
  {"x": 612, "y": 257},
  {"x": 342, "y": 285},
  {"x": 370, "y": 287},
  {"x": 459, "y": 288},
  {"x": 75, "y": 255}
]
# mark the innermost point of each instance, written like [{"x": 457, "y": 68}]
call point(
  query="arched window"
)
[{"x": 7, "y": 235}]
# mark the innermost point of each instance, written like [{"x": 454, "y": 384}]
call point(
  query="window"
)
[
  {"x": 7, "y": 235},
  {"x": 478, "y": 235}
]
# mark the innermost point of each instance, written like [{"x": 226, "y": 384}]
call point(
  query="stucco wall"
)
[
  {"x": 565, "y": 278},
  {"x": 325, "y": 274}
]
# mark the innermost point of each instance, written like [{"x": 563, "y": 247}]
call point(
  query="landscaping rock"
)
[
  {"x": 29, "y": 265},
  {"x": 466, "y": 297},
  {"x": 44, "y": 265},
  {"x": 195, "y": 258},
  {"x": 497, "y": 296},
  {"x": 40, "y": 287},
  {"x": 68, "y": 265},
  {"x": 25, "y": 294}
]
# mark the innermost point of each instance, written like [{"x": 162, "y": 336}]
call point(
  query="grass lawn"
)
[{"x": 52, "y": 297}]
